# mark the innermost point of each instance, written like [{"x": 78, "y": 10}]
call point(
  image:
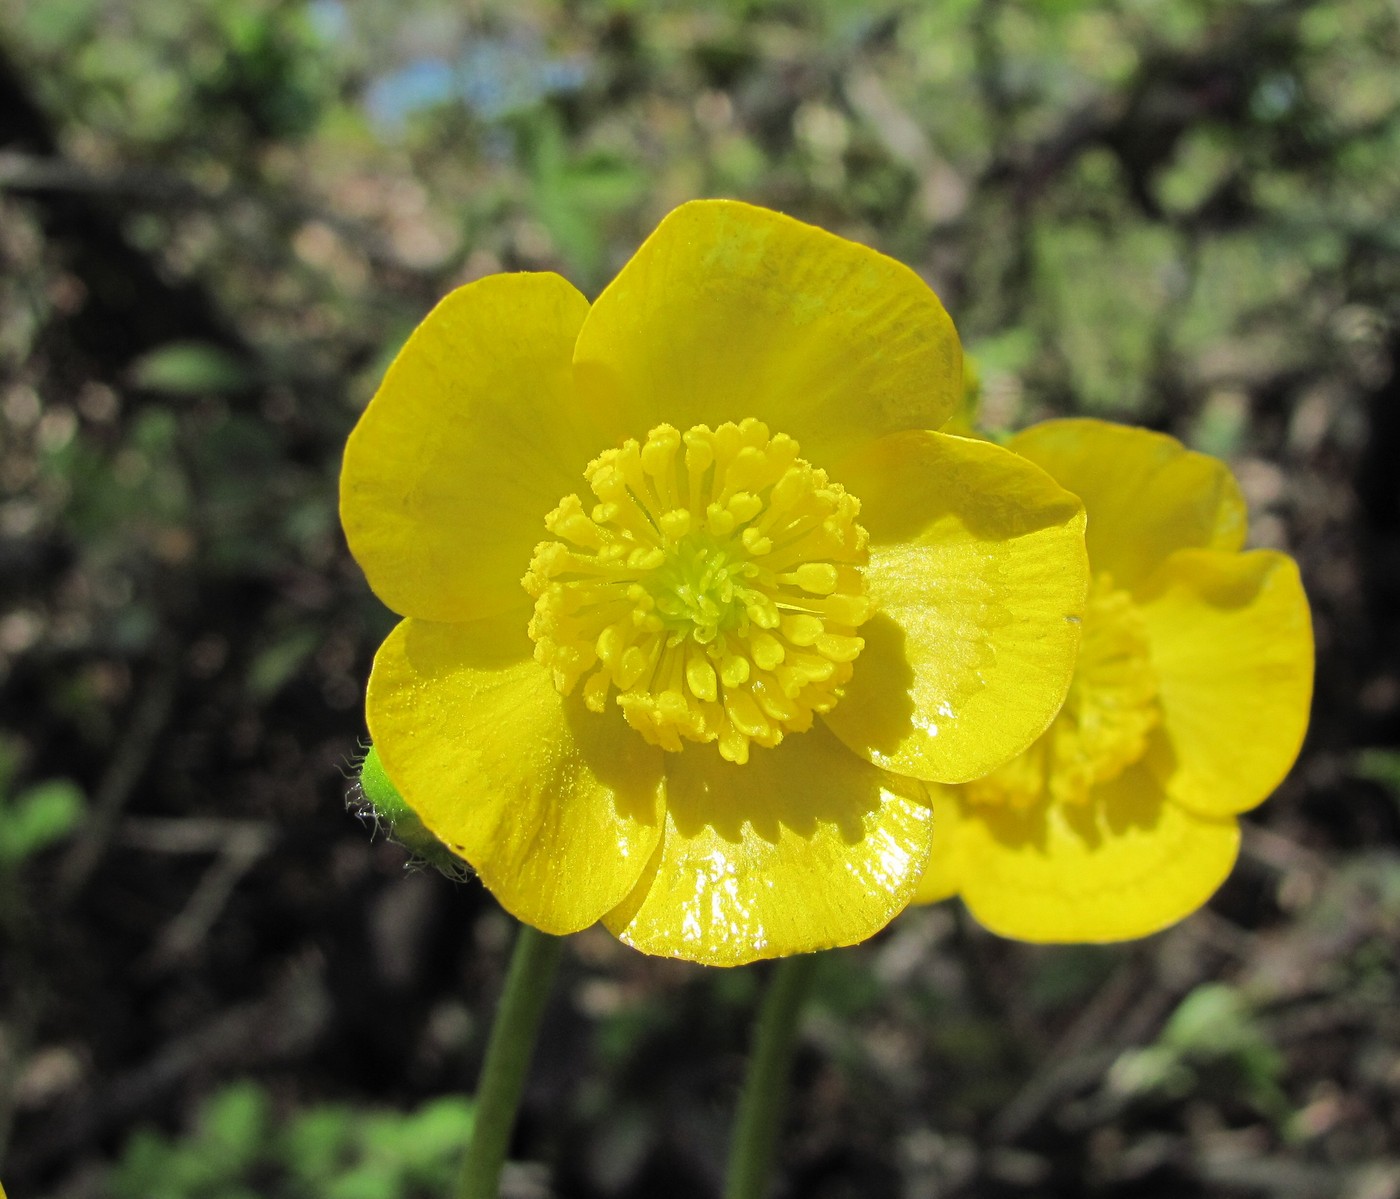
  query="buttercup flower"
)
[
  {"x": 1188, "y": 706},
  {"x": 694, "y": 600}
]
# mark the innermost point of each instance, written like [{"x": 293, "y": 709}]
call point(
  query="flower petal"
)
[
  {"x": 947, "y": 862},
  {"x": 471, "y": 440},
  {"x": 803, "y": 847},
  {"x": 1127, "y": 863},
  {"x": 977, "y": 565},
  {"x": 1146, "y": 494},
  {"x": 557, "y": 808},
  {"x": 729, "y": 311},
  {"x": 1232, "y": 646}
]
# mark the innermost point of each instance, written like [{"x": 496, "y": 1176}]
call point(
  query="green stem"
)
[
  {"x": 507, "y": 1059},
  {"x": 764, "y": 1098}
]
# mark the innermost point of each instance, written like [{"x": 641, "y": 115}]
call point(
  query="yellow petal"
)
[
  {"x": 978, "y": 570},
  {"x": 557, "y": 808},
  {"x": 947, "y": 862},
  {"x": 1126, "y": 864},
  {"x": 729, "y": 311},
  {"x": 1146, "y": 494},
  {"x": 1231, "y": 642},
  {"x": 804, "y": 847},
  {"x": 469, "y": 443}
]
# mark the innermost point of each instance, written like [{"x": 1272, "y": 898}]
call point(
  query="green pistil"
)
[{"x": 695, "y": 590}]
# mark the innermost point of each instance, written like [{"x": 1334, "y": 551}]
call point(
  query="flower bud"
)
[{"x": 375, "y": 796}]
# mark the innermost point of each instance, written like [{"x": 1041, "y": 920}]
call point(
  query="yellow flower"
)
[
  {"x": 1188, "y": 706},
  {"x": 693, "y": 599}
]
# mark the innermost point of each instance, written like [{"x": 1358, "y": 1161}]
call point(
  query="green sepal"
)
[{"x": 378, "y": 796}]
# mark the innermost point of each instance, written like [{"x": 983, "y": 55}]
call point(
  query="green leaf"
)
[
  {"x": 190, "y": 368},
  {"x": 1380, "y": 766},
  {"x": 1153, "y": 1068},
  {"x": 1211, "y": 1020},
  {"x": 433, "y": 1136},
  {"x": 274, "y": 667},
  {"x": 375, "y": 1181},
  {"x": 41, "y": 816},
  {"x": 235, "y": 1125},
  {"x": 1216, "y": 1024},
  {"x": 58, "y": 23},
  {"x": 319, "y": 1143}
]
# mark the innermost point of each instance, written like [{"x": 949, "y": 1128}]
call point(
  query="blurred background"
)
[{"x": 220, "y": 218}]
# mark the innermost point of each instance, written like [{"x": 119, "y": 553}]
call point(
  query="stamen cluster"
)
[{"x": 716, "y": 584}]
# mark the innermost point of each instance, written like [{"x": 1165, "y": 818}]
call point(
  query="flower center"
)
[
  {"x": 716, "y": 584},
  {"x": 1108, "y": 715}
]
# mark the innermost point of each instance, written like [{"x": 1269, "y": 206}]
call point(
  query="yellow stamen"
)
[{"x": 716, "y": 584}]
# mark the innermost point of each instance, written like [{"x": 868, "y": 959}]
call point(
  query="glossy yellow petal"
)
[
  {"x": 1146, "y": 494},
  {"x": 804, "y": 847},
  {"x": 978, "y": 570},
  {"x": 1126, "y": 864},
  {"x": 1231, "y": 641},
  {"x": 729, "y": 311},
  {"x": 469, "y": 443},
  {"x": 556, "y": 807},
  {"x": 947, "y": 861}
]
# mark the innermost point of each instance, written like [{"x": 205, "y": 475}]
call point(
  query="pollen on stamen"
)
[{"x": 715, "y": 584}]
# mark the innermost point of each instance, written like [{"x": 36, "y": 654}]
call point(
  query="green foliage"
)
[
  {"x": 254, "y": 68},
  {"x": 36, "y": 818},
  {"x": 273, "y": 667},
  {"x": 189, "y": 368},
  {"x": 575, "y": 196},
  {"x": 1380, "y": 766},
  {"x": 1106, "y": 292},
  {"x": 240, "y": 1149},
  {"x": 1213, "y": 1040}
]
